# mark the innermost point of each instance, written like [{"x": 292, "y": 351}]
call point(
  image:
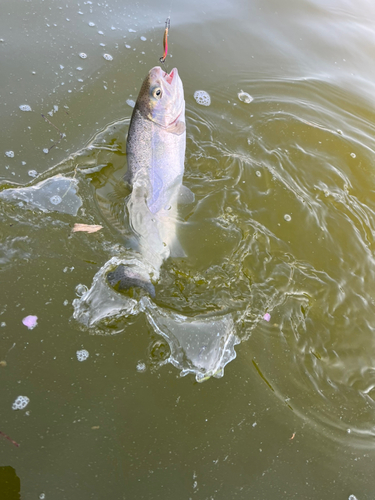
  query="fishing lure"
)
[{"x": 165, "y": 40}]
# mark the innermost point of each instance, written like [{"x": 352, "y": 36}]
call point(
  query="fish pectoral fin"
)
[
  {"x": 176, "y": 249},
  {"x": 185, "y": 196},
  {"x": 177, "y": 128}
]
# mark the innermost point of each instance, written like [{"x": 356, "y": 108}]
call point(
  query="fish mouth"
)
[{"x": 172, "y": 75}]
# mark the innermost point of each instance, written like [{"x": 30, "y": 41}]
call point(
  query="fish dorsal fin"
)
[
  {"x": 185, "y": 196},
  {"x": 176, "y": 128}
]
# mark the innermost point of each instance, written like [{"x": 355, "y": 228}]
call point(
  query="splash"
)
[
  {"x": 56, "y": 194},
  {"x": 202, "y": 345}
]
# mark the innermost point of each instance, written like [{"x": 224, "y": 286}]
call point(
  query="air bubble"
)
[
  {"x": 143, "y": 38},
  {"x": 55, "y": 200},
  {"x": 32, "y": 173},
  {"x": 45, "y": 150},
  {"x": 25, "y": 107},
  {"x": 202, "y": 97},
  {"x": 82, "y": 55},
  {"x": 20, "y": 403},
  {"x": 245, "y": 97},
  {"x": 100, "y": 33},
  {"x": 287, "y": 217},
  {"x": 91, "y": 24},
  {"x": 258, "y": 174},
  {"x": 82, "y": 355},
  {"x": 9, "y": 154},
  {"x": 353, "y": 155},
  {"x": 81, "y": 290},
  {"x": 130, "y": 103},
  {"x": 108, "y": 57},
  {"x": 79, "y": 68}
]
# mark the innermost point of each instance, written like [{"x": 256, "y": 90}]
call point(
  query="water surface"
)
[{"x": 283, "y": 223}]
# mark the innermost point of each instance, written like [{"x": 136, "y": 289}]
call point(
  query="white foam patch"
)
[
  {"x": 202, "y": 97},
  {"x": 20, "y": 403},
  {"x": 82, "y": 355}
]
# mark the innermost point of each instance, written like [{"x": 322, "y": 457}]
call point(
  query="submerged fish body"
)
[{"x": 155, "y": 151}]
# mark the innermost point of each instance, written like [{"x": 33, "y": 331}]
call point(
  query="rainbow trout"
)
[{"x": 155, "y": 153}]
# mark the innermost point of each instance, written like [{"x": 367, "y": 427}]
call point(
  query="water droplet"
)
[
  {"x": 32, "y": 173},
  {"x": 20, "y": 403},
  {"x": 82, "y": 355},
  {"x": 82, "y": 55},
  {"x": 202, "y": 97},
  {"x": 108, "y": 57},
  {"x": 9, "y": 154},
  {"x": 245, "y": 97},
  {"x": 25, "y": 107},
  {"x": 287, "y": 217}
]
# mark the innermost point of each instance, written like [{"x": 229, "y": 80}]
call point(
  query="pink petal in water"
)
[
  {"x": 267, "y": 316},
  {"x": 30, "y": 321}
]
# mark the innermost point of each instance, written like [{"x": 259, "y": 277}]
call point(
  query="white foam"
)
[
  {"x": 141, "y": 367},
  {"x": 20, "y": 403},
  {"x": 82, "y": 355},
  {"x": 202, "y": 97}
]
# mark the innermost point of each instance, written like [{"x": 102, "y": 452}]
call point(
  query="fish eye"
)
[{"x": 157, "y": 93}]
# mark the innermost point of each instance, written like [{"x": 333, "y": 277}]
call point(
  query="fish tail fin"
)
[{"x": 123, "y": 278}]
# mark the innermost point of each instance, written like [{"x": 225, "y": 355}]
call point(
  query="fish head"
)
[{"x": 161, "y": 98}]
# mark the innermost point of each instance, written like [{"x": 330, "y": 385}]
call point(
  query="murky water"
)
[{"x": 279, "y": 244}]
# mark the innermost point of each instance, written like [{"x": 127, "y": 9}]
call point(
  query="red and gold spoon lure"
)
[{"x": 165, "y": 40}]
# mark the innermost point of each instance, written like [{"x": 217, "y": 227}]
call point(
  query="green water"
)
[{"x": 283, "y": 222}]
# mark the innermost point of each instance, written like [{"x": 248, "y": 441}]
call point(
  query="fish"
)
[{"x": 155, "y": 149}]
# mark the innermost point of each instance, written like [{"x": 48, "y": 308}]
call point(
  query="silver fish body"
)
[{"x": 155, "y": 152}]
